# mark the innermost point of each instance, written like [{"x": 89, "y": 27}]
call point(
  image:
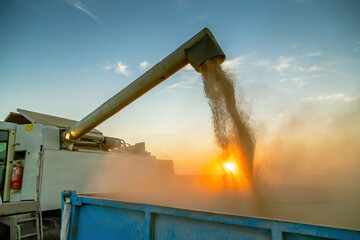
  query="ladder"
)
[{"x": 23, "y": 226}]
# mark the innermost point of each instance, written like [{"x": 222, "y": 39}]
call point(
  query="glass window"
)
[
  {"x": 3, "y": 148},
  {"x": 4, "y": 138}
]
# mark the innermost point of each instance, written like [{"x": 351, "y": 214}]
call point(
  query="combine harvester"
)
[{"x": 43, "y": 155}]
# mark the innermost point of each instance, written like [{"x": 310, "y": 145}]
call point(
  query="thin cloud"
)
[
  {"x": 313, "y": 54},
  {"x": 263, "y": 63},
  {"x": 335, "y": 96},
  {"x": 200, "y": 18},
  {"x": 203, "y": 16},
  {"x": 233, "y": 64},
  {"x": 190, "y": 83},
  {"x": 314, "y": 68},
  {"x": 356, "y": 49},
  {"x": 297, "y": 81},
  {"x": 300, "y": 81},
  {"x": 183, "y": 84},
  {"x": 80, "y": 6},
  {"x": 175, "y": 85},
  {"x": 144, "y": 65},
  {"x": 294, "y": 46},
  {"x": 108, "y": 67},
  {"x": 301, "y": 69},
  {"x": 289, "y": 65},
  {"x": 160, "y": 92},
  {"x": 280, "y": 65},
  {"x": 283, "y": 63},
  {"x": 121, "y": 68},
  {"x": 181, "y": 2}
]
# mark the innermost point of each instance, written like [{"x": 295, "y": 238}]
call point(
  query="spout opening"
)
[
  {"x": 218, "y": 59},
  {"x": 206, "y": 48}
]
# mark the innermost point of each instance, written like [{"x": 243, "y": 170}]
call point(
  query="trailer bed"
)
[{"x": 97, "y": 218}]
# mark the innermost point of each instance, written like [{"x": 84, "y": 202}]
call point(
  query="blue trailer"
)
[{"x": 96, "y": 218}]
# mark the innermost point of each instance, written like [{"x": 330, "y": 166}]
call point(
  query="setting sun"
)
[{"x": 230, "y": 167}]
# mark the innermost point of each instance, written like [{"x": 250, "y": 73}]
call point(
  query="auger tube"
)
[{"x": 195, "y": 51}]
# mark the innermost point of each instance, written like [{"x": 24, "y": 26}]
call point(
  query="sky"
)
[{"x": 296, "y": 62}]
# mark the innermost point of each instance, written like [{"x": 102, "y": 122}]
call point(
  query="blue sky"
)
[{"x": 65, "y": 58}]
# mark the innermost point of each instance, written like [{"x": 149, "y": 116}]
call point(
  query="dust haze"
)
[
  {"x": 306, "y": 171},
  {"x": 312, "y": 148},
  {"x": 309, "y": 168}
]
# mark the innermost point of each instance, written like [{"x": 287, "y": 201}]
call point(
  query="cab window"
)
[{"x": 4, "y": 138}]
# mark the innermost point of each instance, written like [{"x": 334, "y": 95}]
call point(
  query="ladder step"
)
[
  {"x": 29, "y": 235},
  {"x": 26, "y": 219}
]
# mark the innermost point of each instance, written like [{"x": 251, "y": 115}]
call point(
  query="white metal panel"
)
[
  {"x": 51, "y": 137},
  {"x": 9, "y": 164},
  {"x": 29, "y": 141}
]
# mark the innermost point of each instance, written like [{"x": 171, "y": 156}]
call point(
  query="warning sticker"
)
[{"x": 29, "y": 127}]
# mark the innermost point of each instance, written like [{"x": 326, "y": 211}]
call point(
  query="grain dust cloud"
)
[{"x": 307, "y": 171}]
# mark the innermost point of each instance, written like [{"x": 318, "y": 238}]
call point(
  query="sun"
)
[{"x": 230, "y": 167}]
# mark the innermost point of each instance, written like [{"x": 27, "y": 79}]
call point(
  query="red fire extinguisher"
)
[{"x": 16, "y": 177}]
